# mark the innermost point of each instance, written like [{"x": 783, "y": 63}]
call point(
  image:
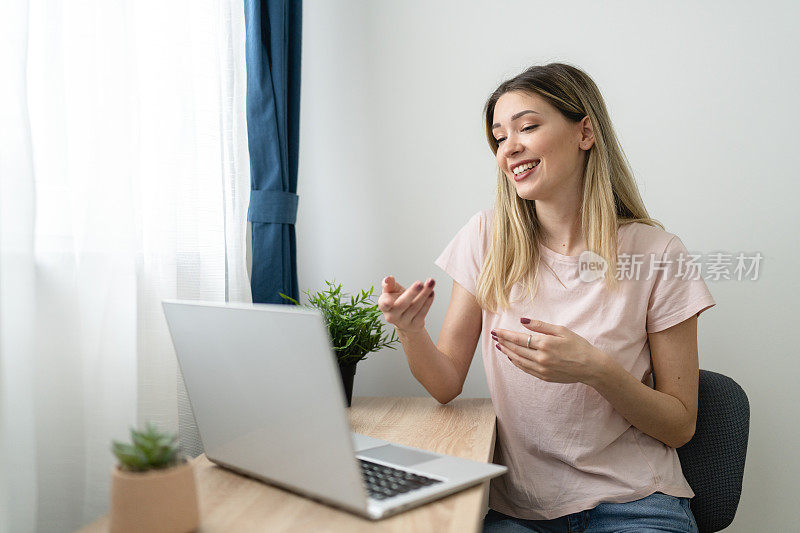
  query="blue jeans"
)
[{"x": 657, "y": 512}]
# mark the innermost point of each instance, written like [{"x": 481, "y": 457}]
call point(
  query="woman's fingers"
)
[
  {"x": 419, "y": 319},
  {"x": 390, "y": 285},
  {"x": 389, "y": 294},
  {"x": 403, "y": 310},
  {"x": 418, "y": 298},
  {"x": 407, "y": 298}
]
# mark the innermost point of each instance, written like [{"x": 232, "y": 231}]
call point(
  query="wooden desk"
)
[{"x": 464, "y": 428}]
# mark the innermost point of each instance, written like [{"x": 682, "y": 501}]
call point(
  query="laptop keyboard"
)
[{"x": 384, "y": 482}]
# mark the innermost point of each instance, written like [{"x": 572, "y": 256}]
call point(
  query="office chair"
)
[{"x": 713, "y": 461}]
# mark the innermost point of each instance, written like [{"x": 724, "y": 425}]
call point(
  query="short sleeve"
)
[
  {"x": 463, "y": 256},
  {"x": 679, "y": 291}
]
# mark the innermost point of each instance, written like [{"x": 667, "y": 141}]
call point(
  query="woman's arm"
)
[{"x": 668, "y": 412}]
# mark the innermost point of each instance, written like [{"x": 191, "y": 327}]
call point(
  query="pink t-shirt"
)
[{"x": 566, "y": 448}]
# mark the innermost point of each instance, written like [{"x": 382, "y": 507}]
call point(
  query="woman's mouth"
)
[{"x": 521, "y": 176}]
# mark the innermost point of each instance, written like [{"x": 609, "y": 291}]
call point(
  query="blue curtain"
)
[{"x": 273, "y": 111}]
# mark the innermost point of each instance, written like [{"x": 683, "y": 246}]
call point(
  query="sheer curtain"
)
[{"x": 125, "y": 181}]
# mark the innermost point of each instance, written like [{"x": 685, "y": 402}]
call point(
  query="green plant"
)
[
  {"x": 355, "y": 328},
  {"x": 151, "y": 450}
]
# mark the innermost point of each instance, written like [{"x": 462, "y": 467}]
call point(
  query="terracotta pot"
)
[{"x": 157, "y": 501}]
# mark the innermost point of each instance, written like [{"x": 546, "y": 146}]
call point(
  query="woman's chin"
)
[{"x": 527, "y": 194}]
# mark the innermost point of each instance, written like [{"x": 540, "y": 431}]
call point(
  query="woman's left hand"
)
[{"x": 559, "y": 356}]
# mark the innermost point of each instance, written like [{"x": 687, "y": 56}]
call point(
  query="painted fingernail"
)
[
  {"x": 498, "y": 345},
  {"x": 525, "y": 320},
  {"x": 431, "y": 283}
]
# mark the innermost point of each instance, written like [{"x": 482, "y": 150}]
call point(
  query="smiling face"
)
[{"x": 530, "y": 130}]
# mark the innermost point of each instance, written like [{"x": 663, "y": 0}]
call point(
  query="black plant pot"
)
[{"x": 348, "y": 371}]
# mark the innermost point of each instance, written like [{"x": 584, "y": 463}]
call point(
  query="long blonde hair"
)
[{"x": 610, "y": 195}]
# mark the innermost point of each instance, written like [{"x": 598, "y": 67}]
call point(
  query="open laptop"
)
[{"x": 269, "y": 403}]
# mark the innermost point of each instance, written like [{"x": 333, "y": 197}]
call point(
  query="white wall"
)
[{"x": 393, "y": 161}]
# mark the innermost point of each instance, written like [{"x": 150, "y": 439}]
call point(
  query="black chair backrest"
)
[{"x": 713, "y": 461}]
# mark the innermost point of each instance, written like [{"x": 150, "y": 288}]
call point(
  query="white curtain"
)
[{"x": 125, "y": 181}]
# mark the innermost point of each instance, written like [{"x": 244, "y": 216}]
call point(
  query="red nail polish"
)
[{"x": 525, "y": 320}]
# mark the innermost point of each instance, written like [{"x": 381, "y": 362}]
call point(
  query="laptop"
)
[{"x": 269, "y": 403}]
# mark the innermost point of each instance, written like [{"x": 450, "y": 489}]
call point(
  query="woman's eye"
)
[{"x": 501, "y": 139}]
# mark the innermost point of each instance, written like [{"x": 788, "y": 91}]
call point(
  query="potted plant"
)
[
  {"x": 153, "y": 487},
  {"x": 355, "y": 328}
]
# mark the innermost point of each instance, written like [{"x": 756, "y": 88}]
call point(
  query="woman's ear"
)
[{"x": 586, "y": 133}]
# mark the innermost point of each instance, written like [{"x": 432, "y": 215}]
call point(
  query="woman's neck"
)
[{"x": 560, "y": 222}]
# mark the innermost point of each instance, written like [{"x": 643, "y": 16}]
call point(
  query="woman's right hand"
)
[{"x": 406, "y": 308}]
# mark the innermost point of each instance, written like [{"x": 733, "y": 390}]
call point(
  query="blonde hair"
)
[{"x": 610, "y": 196}]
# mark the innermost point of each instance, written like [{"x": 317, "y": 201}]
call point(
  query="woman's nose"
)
[{"x": 511, "y": 146}]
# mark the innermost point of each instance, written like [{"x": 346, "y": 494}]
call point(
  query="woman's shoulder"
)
[
  {"x": 477, "y": 227},
  {"x": 638, "y": 237},
  {"x": 481, "y": 220}
]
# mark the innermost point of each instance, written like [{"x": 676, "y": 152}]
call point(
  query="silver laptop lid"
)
[{"x": 266, "y": 394}]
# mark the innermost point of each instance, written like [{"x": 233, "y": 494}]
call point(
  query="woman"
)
[{"x": 592, "y": 364}]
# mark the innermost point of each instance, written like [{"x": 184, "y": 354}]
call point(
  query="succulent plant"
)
[{"x": 151, "y": 449}]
